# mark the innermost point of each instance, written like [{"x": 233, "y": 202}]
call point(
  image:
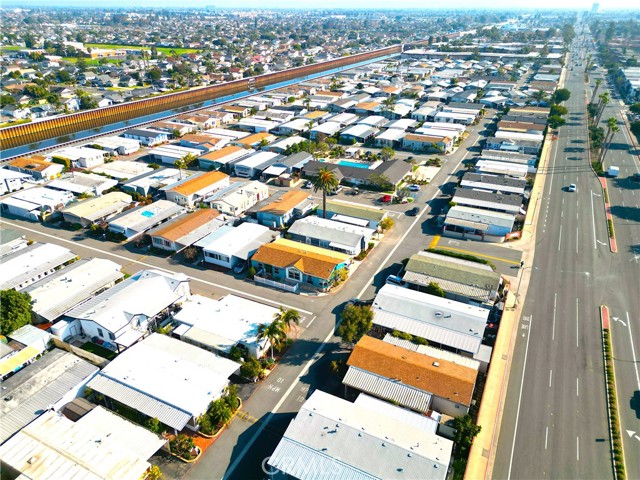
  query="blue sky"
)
[{"x": 327, "y": 4}]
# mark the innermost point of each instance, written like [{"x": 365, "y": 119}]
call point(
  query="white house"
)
[
  {"x": 170, "y": 154},
  {"x": 137, "y": 221},
  {"x": 81, "y": 156},
  {"x": 35, "y": 203},
  {"x": 253, "y": 165},
  {"x": 83, "y": 183},
  {"x": 126, "y": 313},
  {"x": 117, "y": 145},
  {"x": 165, "y": 378},
  {"x": 147, "y": 137},
  {"x": 238, "y": 197},
  {"x": 219, "y": 325},
  {"x": 229, "y": 246}
]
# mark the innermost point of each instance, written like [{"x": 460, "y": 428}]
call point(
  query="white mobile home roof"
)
[
  {"x": 328, "y": 128},
  {"x": 31, "y": 263},
  {"x": 81, "y": 183},
  {"x": 57, "y": 294},
  {"x": 444, "y": 126},
  {"x": 480, "y": 216},
  {"x": 226, "y": 133},
  {"x": 114, "y": 143},
  {"x": 98, "y": 207},
  {"x": 159, "y": 178},
  {"x": 120, "y": 169},
  {"x": 331, "y": 435},
  {"x": 256, "y": 159},
  {"x": 534, "y": 137},
  {"x": 231, "y": 319},
  {"x": 165, "y": 378},
  {"x": 502, "y": 168},
  {"x": 359, "y": 130},
  {"x": 456, "y": 116},
  {"x": 42, "y": 197},
  {"x": 392, "y": 134},
  {"x": 344, "y": 118},
  {"x": 76, "y": 153},
  {"x": 174, "y": 151},
  {"x": 440, "y": 320},
  {"x": 237, "y": 241},
  {"x": 141, "y": 219},
  {"x": 99, "y": 445}
]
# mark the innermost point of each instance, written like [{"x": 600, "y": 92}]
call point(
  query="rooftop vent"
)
[{"x": 435, "y": 364}]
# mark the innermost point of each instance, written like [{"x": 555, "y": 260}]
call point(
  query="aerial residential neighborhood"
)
[{"x": 288, "y": 244}]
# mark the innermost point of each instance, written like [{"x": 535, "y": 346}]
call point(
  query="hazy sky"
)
[{"x": 315, "y": 4}]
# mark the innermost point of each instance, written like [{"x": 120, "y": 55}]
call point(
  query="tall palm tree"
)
[
  {"x": 180, "y": 164},
  {"x": 595, "y": 90},
  {"x": 274, "y": 333},
  {"x": 604, "y": 100},
  {"x": 612, "y": 128},
  {"x": 326, "y": 181},
  {"x": 388, "y": 103},
  {"x": 287, "y": 317}
]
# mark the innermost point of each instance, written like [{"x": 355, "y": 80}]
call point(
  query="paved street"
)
[{"x": 555, "y": 421}]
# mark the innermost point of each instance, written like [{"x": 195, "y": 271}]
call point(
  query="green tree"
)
[
  {"x": 386, "y": 223},
  {"x": 595, "y": 90},
  {"x": 558, "y": 110},
  {"x": 182, "y": 446},
  {"x": 556, "y": 121},
  {"x": 635, "y": 108},
  {"x": 154, "y": 473},
  {"x": 274, "y": 333},
  {"x": 387, "y": 153},
  {"x": 434, "y": 289},
  {"x": 15, "y": 311},
  {"x": 326, "y": 181},
  {"x": 7, "y": 100},
  {"x": 561, "y": 95},
  {"x": 466, "y": 431},
  {"x": 612, "y": 128},
  {"x": 287, "y": 317},
  {"x": 539, "y": 96},
  {"x": 355, "y": 321},
  {"x": 251, "y": 368}
]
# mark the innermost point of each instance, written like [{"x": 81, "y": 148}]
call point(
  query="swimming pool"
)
[{"x": 346, "y": 163}]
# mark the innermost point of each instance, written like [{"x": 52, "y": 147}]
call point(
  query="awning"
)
[
  {"x": 129, "y": 337},
  {"x": 466, "y": 223},
  {"x": 361, "y": 222},
  {"x": 341, "y": 246},
  {"x": 274, "y": 171}
]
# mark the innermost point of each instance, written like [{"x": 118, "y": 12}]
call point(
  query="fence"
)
[{"x": 282, "y": 286}]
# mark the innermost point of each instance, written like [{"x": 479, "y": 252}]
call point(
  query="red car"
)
[{"x": 386, "y": 199}]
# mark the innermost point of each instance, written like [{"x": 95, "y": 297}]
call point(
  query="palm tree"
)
[
  {"x": 612, "y": 128},
  {"x": 595, "y": 90},
  {"x": 326, "y": 181},
  {"x": 287, "y": 317},
  {"x": 387, "y": 104},
  {"x": 539, "y": 96},
  {"x": 604, "y": 100},
  {"x": 181, "y": 164},
  {"x": 274, "y": 333}
]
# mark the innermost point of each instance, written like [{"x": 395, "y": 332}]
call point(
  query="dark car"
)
[{"x": 413, "y": 212}]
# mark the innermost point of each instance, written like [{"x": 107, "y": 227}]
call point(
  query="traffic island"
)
[
  {"x": 617, "y": 448},
  {"x": 607, "y": 209}
]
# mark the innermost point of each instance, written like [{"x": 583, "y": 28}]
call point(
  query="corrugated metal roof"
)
[
  {"x": 433, "y": 352},
  {"x": 401, "y": 415},
  {"x": 150, "y": 406},
  {"x": 31, "y": 263},
  {"x": 385, "y": 388},
  {"x": 38, "y": 386},
  {"x": 469, "y": 291}
]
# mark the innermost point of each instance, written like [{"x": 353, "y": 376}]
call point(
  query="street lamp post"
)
[{"x": 522, "y": 269}]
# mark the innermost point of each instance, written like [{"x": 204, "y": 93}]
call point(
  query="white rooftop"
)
[
  {"x": 99, "y": 445},
  {"x": 358, "y": 441},
  {"x": 147, "y": 216},
  {"x": 232, "y": 319},
  {"x": 123, "y": 169},
  {"x": 234, "y": 240},
  {"x": 31, "y": 263},
  {"x": 180, "y": 376}
]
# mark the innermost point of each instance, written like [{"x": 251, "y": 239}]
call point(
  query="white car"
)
[{"x": 572, "y": 187}]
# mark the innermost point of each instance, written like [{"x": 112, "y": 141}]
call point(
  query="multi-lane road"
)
[{"x": 555, "y": 420}]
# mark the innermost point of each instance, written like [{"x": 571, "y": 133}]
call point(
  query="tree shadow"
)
[
  {"x": 626, "y": 182},
  {"x": 626, "y": 213},
  {"x": 573, "y": 149}
]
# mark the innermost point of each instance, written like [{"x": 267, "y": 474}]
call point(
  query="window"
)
[
  {"x": 100, "y": 332},
  {"x": 112, "y": 336},
  {"x": 294, "y": 275},
  {"x": 276, "y": 271}
]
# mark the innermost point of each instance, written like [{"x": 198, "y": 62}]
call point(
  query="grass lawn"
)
[
  {"x": 164, "y": 50},
  {"x": 11, "y": 48},
  {"x": 98, "y": 350}
]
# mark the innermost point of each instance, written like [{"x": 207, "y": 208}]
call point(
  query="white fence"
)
[{"x": 283, "y": 286}]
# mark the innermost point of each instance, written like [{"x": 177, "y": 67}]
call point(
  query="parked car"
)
[
  {"x": 413, "y": 212},
  {"x": 353, "y": 191},
  {"x": 308, "y": 184},
  {"x": 414, "y": 188},
  {"x": 386, "y": 199},
  {"x": 336, "y": 191},
  {"x": 239, "y": 268},
  {"x": 394, "y": 280}
]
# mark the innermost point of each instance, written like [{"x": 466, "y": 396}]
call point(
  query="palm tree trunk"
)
[
  {"x": 595, "y": 92},
  {"x": 324, "y": 204}
]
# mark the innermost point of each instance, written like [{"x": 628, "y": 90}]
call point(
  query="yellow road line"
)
[
  {"x": 434, "y": 242},
  {"x": 504, "y": 260}
]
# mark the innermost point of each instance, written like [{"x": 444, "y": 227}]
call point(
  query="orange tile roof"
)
[
  {"x": 197, "y": 183},
  {"x": 186, "y": 224},
  {"x": 447, "y": 380},
  {"x": 329, "y": 93},
  {"x": 223, "y": 152},
  {"x": 286, "y": 202},
  {"x": 255, "y": 138},
  {"x": 315, "y": 114},
  {"x": 237, "y": 109},
  {"x": 36, "y": 163},
  {"x": 199, "y": 138},
  {"x": 287, "y": 254},
  {"x": 367, "y": 105}
]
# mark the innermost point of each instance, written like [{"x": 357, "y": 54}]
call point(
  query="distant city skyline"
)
[{"x": 328, "y": 4}]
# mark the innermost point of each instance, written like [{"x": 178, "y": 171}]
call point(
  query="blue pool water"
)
[{"x": 346, "y": 163}]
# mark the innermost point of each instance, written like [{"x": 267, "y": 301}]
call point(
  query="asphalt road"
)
[
  {"x": 555, "y": 423},
  {"x": 623, "y": 291}
]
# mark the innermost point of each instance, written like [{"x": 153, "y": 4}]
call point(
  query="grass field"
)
[
  {"x": 10, "y": 48},
  {"x": 98, "y": 350},
  {"x": 164, "y": 50}
]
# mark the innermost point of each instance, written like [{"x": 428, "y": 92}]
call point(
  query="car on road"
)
[
  {"x": 386, "y": 199},
  {"x": 308, "y": 184},
  {"x": 336, "y": 191},
  {"x": 414, "y": 188},
  {"x": 353, "y": 191},
  {"x": 572, "y": 188},
  {"x": 394, "y": 280},
  {"x": 413, "y": 212}
]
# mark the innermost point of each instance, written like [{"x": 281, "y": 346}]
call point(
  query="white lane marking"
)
[
  {"x": 560, "y": 238},
  {"x": 553, "y": 329},
  {"x": 524, "y": 369},
  {"x": 144, "y": 264},
  {"x": 309, "y": 324},
  {"x": 546, "y": 437},
  {"x": 577, "y": 238},
  {"x": 577, "y": 387},
  {"x": 578, "y": 449},
  {"x": 633, "y": 351},
  {"x": 577, "y": 324},
  {"x": 593, "y": 218},
  {"x": 550, "y": 377}
]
